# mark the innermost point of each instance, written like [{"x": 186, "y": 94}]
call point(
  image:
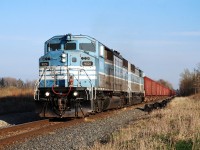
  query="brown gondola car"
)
[{"x": 155, "y": 91}]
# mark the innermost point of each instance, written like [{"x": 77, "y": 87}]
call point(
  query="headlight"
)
[
  {"x": 63, "y": 55},
  {"x": 47, "y": 94},
  {"x": 75, "y": 93},
  {"x": 63, "y": 60}
]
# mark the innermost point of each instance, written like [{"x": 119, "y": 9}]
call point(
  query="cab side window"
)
[{"x": 87, "y": 47}]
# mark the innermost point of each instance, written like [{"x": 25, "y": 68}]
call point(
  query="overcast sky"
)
[{"x": 161, "y": 37}]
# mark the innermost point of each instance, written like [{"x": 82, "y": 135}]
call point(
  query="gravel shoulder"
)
[{"x": 82, "y": 136}]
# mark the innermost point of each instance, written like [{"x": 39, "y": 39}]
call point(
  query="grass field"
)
[
  {"x": 15, "y": 92},
  {"x": 175, "y": 127}
]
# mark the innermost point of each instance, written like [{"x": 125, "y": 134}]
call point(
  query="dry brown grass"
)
[
  {"x": 13, "y": 91},
  {"x": 175, "y": 127}
]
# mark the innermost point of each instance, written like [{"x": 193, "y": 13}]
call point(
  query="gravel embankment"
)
[{"x": 81, "y": 135}]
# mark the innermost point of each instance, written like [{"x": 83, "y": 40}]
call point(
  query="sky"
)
[{"x": 161, "y": 37}]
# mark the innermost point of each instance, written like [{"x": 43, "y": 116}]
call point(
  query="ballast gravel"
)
[{"x": 81, "y": 136}]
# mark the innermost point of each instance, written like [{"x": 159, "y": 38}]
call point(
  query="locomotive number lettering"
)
[
  {"x": 87, "y": 63},
  {"x": 44, "y": 64}
]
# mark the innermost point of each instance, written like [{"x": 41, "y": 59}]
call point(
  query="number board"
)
[{"x": 87, "y": 63}]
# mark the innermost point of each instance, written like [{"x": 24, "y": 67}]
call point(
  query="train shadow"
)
[
  {"x": 19, "y": 118},
  {"x": 17, "y": 109},
  {"x": 156, "y": 105},
  {"x": 64, "y": 119},
  {"x": 139, "y": 108}
]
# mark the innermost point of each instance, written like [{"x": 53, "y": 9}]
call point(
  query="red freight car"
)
[{"x": 155, "y": 91}]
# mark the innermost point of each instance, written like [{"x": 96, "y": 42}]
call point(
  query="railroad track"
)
[{"x": 20, "y": 133}]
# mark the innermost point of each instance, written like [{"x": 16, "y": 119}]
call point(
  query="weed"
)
[{"x": 184, "y": 145}]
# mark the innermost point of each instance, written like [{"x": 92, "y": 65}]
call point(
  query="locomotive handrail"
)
[
  {"x": 79, "y": 70},
  {"x": 37, "y": 84},
  {"x": 129, "y": 89},
  {"x": 91, "y": 90},
  {"x": 87, "y": 76},
  {"x": 92, "y": 94},
  {"x": 78, "y": 81}
]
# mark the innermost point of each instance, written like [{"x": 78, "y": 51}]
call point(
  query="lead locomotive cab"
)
[{"x": 78, "y": 74}]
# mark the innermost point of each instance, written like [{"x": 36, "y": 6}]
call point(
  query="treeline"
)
[
  {"x": 165, "y": 83},
  {"x": 190, "y": 82},
  {"x": 12, "y": 82}
]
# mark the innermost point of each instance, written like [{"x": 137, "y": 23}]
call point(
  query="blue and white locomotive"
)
[{"x": 77, "y": 71}]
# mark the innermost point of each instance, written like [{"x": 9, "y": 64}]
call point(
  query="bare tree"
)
[
  {"x": 197, "y": 79},
  {"x": 186, "y": 83},
  {"x": 29, "y": 84},
  {"x": 198, "y": 67},
  {"x": 2, "y": 82},
  {"x": 12, "y": 82},
  {"x": 20, "y": 83},
  {"x": 8, "y": 82},
  {"x": 165, "y": 83}
]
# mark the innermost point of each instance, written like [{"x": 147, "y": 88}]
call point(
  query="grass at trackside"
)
[
  {"x": 15, "y": 92},
  {"x": 175, "y": 127}
]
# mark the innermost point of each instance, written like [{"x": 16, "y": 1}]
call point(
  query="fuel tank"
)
[{"x": 112, "y": 102}]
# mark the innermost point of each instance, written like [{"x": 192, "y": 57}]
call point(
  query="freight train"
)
[{"x": 79, "y": 74}]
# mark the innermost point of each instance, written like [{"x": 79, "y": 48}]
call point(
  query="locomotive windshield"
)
[
  {"x": 70, "y": 46},
  {"x": 53, "y": 47},
  {"x": 69, "y": 43},
  {"x": 58, "y": 46}
]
